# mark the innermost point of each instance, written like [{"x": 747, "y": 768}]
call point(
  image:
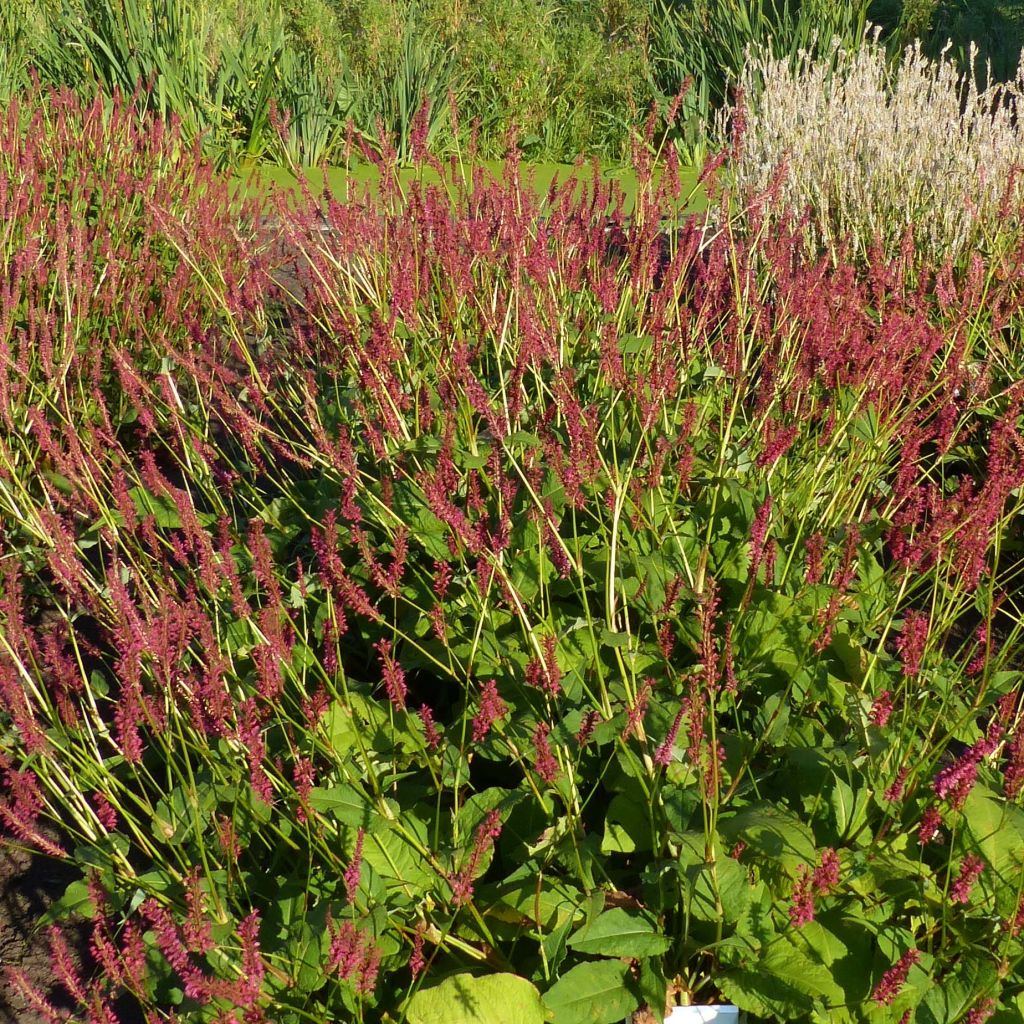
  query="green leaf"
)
[
  {"x": 610, "y": 639},
  {"x": 616, "y": 839},
  {"x": 620, "y": 933},
  {"x": 849, "y": 806},
  {"x": 732, "y": 885},
  {"x": 76, "y": 900},
  {"x": 471, "y": 999},
  {"x": 237, "y": 639},
  {"x": 524, "y": 438},
  {"x": 307, "y": 955},
  {"x": 1011, "y": 1011},
  {"x": 476, "y": 808},
  {"x": 844, "y": 945},
  {"x": 774, "y": 833},
  {"x": 161, "y": 508},
  {"x": 970, "y": 980},
  {"x": 346, "y": 804},
  {"x": 997, "y": 827},
  {"x": 653, "y": 985},
  {"x": 850, "y": 657},
  {"x": 592, "y": 993},
  {"x": 783, "y": 982},
  {"x": 626, "y": 827},
  {"x": 547, "y": 906},
  {"x": 471, "y": 461},
  {"x": 395, "y": 854}
]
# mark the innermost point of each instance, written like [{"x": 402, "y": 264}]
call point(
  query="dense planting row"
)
[{"x": 535, "y": 615}]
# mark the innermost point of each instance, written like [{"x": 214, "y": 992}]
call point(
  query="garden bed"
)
[{"x": 472, "y": 602}]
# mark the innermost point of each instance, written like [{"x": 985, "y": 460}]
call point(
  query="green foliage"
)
[
  {"x": 995, "y": 27},
  {"x": 469, "y": 999},
  {"x": 563, "y": 78},
  {"x": 162, "y": 47},
  {"x": 389, "y": 100}
]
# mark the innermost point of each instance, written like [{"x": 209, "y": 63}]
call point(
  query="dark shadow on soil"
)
[{"x": 29, "y": 885}]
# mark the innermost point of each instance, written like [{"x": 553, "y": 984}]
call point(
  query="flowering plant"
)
[{"x": 492, "y": 609}]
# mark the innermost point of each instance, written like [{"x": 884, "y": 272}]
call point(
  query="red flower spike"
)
[
  {"x": 545, "y": 763},
  {"x": 801, "y": 908},
  {"x": 886, "y": 991},
  {"x": 492, "y": 707},
  {"x": 971, "y": 868}
]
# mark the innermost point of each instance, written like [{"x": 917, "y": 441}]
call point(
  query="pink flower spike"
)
[
  {"x": 971, "y": 868},
  {"x": 929, "y": 827},
  {"x": 393, "y": 676},
  {"x": 801, "y": 909},
  {"x": 895, "y": 978},
  {"x": 826, "y": 876},
  {"x": 981, "y": 1013},
  {"x": 881, "y": 709},
  {"x": 355, "y": 868},
  {"x": 430, "y": 730},
  {"x": 912, "y": 641},
  {"x": 417, "y": 961},
  {"x": 492, "y": 707},
  {"x": 545, "y": 763},
  {"x": 587, "y": 726},
  {"x": 486, "y": 834}
]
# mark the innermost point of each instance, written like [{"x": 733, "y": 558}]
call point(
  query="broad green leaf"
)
[
  {"x": 653, "y": 985},
  {"x": 238, "y": 638},
  {"x": 1011, "y": 1010},
  {"x": 545, "y": 906},
  {"x": 774, "y": 833},
  {"x": 592, "y": 993},
  {"x": 340, "y": 728},
  {"x": 620, "y": 933},
  {"x": 849, "y": 806},
  {"x": 616, "y": 839},
  {"x": 471, "y": 461},
  {"x": 524, "y": 438},
  {"x": 610, "y": 639},
  {"x": 476, "y": 808},
  {"x": 970, "y": 980},
  {"x": 844, "y": 945},
  {"x": 626, "y": 827},
  {"x": 395, "y": 854},
  {"x": 887, "y": 873},
  {"x": 472, "y": 999},
  {"x": 344, "y": 803},
  {"x": 732, "y": 885},
  {"x": 997, "y": 826},
  {"x": 307, "y": 955},
  {"x": 781, "y": 982},
  {"x": 850, "y": 656},
  {"x": 177, "y": 815},
  {"x": 680, "y": 801},
  {"x": 553, "y": 945}
]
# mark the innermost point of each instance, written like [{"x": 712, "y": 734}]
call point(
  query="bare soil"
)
[{"x": 29, "y": 884}]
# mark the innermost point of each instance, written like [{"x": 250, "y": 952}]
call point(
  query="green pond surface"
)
[{"x": 353, "y": 182}]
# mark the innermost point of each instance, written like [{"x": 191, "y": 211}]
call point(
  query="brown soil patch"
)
[{"x": 28, "y": 885}]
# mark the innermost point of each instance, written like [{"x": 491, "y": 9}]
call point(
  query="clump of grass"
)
[{"x": 874, "y": 152}]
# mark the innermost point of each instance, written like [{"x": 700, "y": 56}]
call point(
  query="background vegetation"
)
[{"x": 567, "y": 76}]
